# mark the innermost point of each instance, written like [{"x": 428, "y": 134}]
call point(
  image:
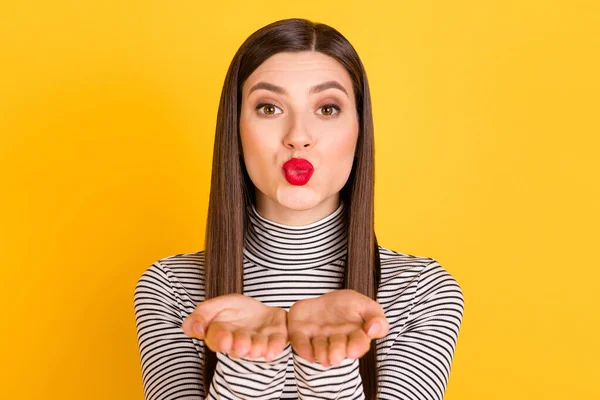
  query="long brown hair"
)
[{"x": 232, "y": 191}]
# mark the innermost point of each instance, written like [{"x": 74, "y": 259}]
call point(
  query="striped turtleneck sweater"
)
[{"x": 283, "y": 264}]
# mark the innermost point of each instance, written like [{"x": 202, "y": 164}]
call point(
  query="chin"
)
[{"x": 298, "y": 199}]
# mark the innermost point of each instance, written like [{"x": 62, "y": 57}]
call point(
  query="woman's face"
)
[{"x": 298, "y": 105}]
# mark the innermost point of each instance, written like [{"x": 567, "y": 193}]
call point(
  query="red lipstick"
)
[{"x": 298, "y": 171}]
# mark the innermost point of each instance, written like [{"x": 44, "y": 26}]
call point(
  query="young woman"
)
[{"x": 293, "y": 297}]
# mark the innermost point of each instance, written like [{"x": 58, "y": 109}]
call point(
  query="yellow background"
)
[{"x": 486, "y": 121}]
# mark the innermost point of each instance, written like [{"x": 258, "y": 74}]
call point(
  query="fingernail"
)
[
  {"x": 198, "y": 328},
  {"x": 373, "y": 329}
]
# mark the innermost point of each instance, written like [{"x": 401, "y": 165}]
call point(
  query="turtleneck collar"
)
[{"x": 286, "y": 247}]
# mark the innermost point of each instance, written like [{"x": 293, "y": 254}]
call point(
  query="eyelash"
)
[{"x": 335, "y": 106}]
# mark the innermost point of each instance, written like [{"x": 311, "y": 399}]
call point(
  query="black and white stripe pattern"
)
[{"x": 283, "y": 264}]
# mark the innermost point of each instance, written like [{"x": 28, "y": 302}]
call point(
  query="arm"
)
[
  {"x": 418, "y": 363},
  {"x": 329, "y": 334},
  {"x": 316, "y": 382},
  {"x": 171, "y": 365},
  {"x": 245, "y": 378}
]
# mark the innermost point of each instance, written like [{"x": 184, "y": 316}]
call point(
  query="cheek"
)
[
  {"x": 340, "y": 156},
  {"x": 344, "y": 144},
  {"x": 256, "y": 152},
  {"x": 250, "y": 139},
  {"x": 260, "y": 139}
]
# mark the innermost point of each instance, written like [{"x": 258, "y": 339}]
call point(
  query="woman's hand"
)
[
  {"x": 335, "y": 326},
  {"x": 239, "y": 326}
]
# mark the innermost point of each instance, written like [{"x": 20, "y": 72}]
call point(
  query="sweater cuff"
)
[
  {"x": 246, "y": 378},
  {"x": 316, "y": 382}
]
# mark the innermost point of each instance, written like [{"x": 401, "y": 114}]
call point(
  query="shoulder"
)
[
  {"x": 175, "y": 276},
  {"x": 425, "y": 274},
  {"x": 183, "y": 265},
  {"x": 396, "y": 266}
]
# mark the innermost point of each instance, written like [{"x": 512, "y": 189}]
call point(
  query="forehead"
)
[{"x": 305, "y": 68}]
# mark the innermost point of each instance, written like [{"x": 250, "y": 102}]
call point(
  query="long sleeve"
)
[
  {"x": 316, "y": 382},
  {"x": 417, "y": 366},
  {"x": 284, "y": 264},
  {"x": 170, "y": 362},
  {"x": 172, "y": 366},
  {"x": 244, "y": 378}
]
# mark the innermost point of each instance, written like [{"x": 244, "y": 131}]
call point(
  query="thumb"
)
[
  {"x": 376, "y": 324},
  {"x": 376, "y": 327},
  {"x": 194, "y": 326}
]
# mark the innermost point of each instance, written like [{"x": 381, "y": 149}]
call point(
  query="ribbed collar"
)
[{"x": 284, "y": 247}]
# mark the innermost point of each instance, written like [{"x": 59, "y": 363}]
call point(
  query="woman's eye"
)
[
  {"x": 269, "y": 109},
  {"x": 328, "y": 110}
]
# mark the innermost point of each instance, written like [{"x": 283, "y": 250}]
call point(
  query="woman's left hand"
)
[{"x": 337, "y": 325}]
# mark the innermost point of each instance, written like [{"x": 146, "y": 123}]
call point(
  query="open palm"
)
[
  {"x": 239, "y": 326},
  {"x": 335, "y": 326}
]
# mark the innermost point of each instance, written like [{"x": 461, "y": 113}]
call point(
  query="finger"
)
[
  {"x": 259, "y": 346},
  {"x": 302, "y": 346},
  {"x": 358, "y": 344},
  {"x": 242, "y": 341},
  {"x": 277, "y": 342},
  {"x": 208, "y": 309},
  {"x": 219, "y": 338},
  {"x": 337, "y": 349},
  {"x": 372, "y": 313},
  {"x": 376, "y": 327},
  {"x": 320, "y": 345},
  {"x": 194, "y": 326}
]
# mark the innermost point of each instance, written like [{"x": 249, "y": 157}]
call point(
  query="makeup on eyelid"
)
[{"x": 328, "y": 105}]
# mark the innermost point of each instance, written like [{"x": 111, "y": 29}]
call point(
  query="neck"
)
[{"x": 295, "y": 247}]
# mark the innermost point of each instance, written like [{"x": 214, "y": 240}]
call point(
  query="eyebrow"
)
[{"x": 315, "y": 89}]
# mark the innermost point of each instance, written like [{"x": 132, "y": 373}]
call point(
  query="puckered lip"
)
[{"x": 298, "y": 164}]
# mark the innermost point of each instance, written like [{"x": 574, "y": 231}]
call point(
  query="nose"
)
[{"x": 297, "y": 136}]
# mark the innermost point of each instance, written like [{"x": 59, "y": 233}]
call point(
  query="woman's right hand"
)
[{"x": 239, "y": 326}]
